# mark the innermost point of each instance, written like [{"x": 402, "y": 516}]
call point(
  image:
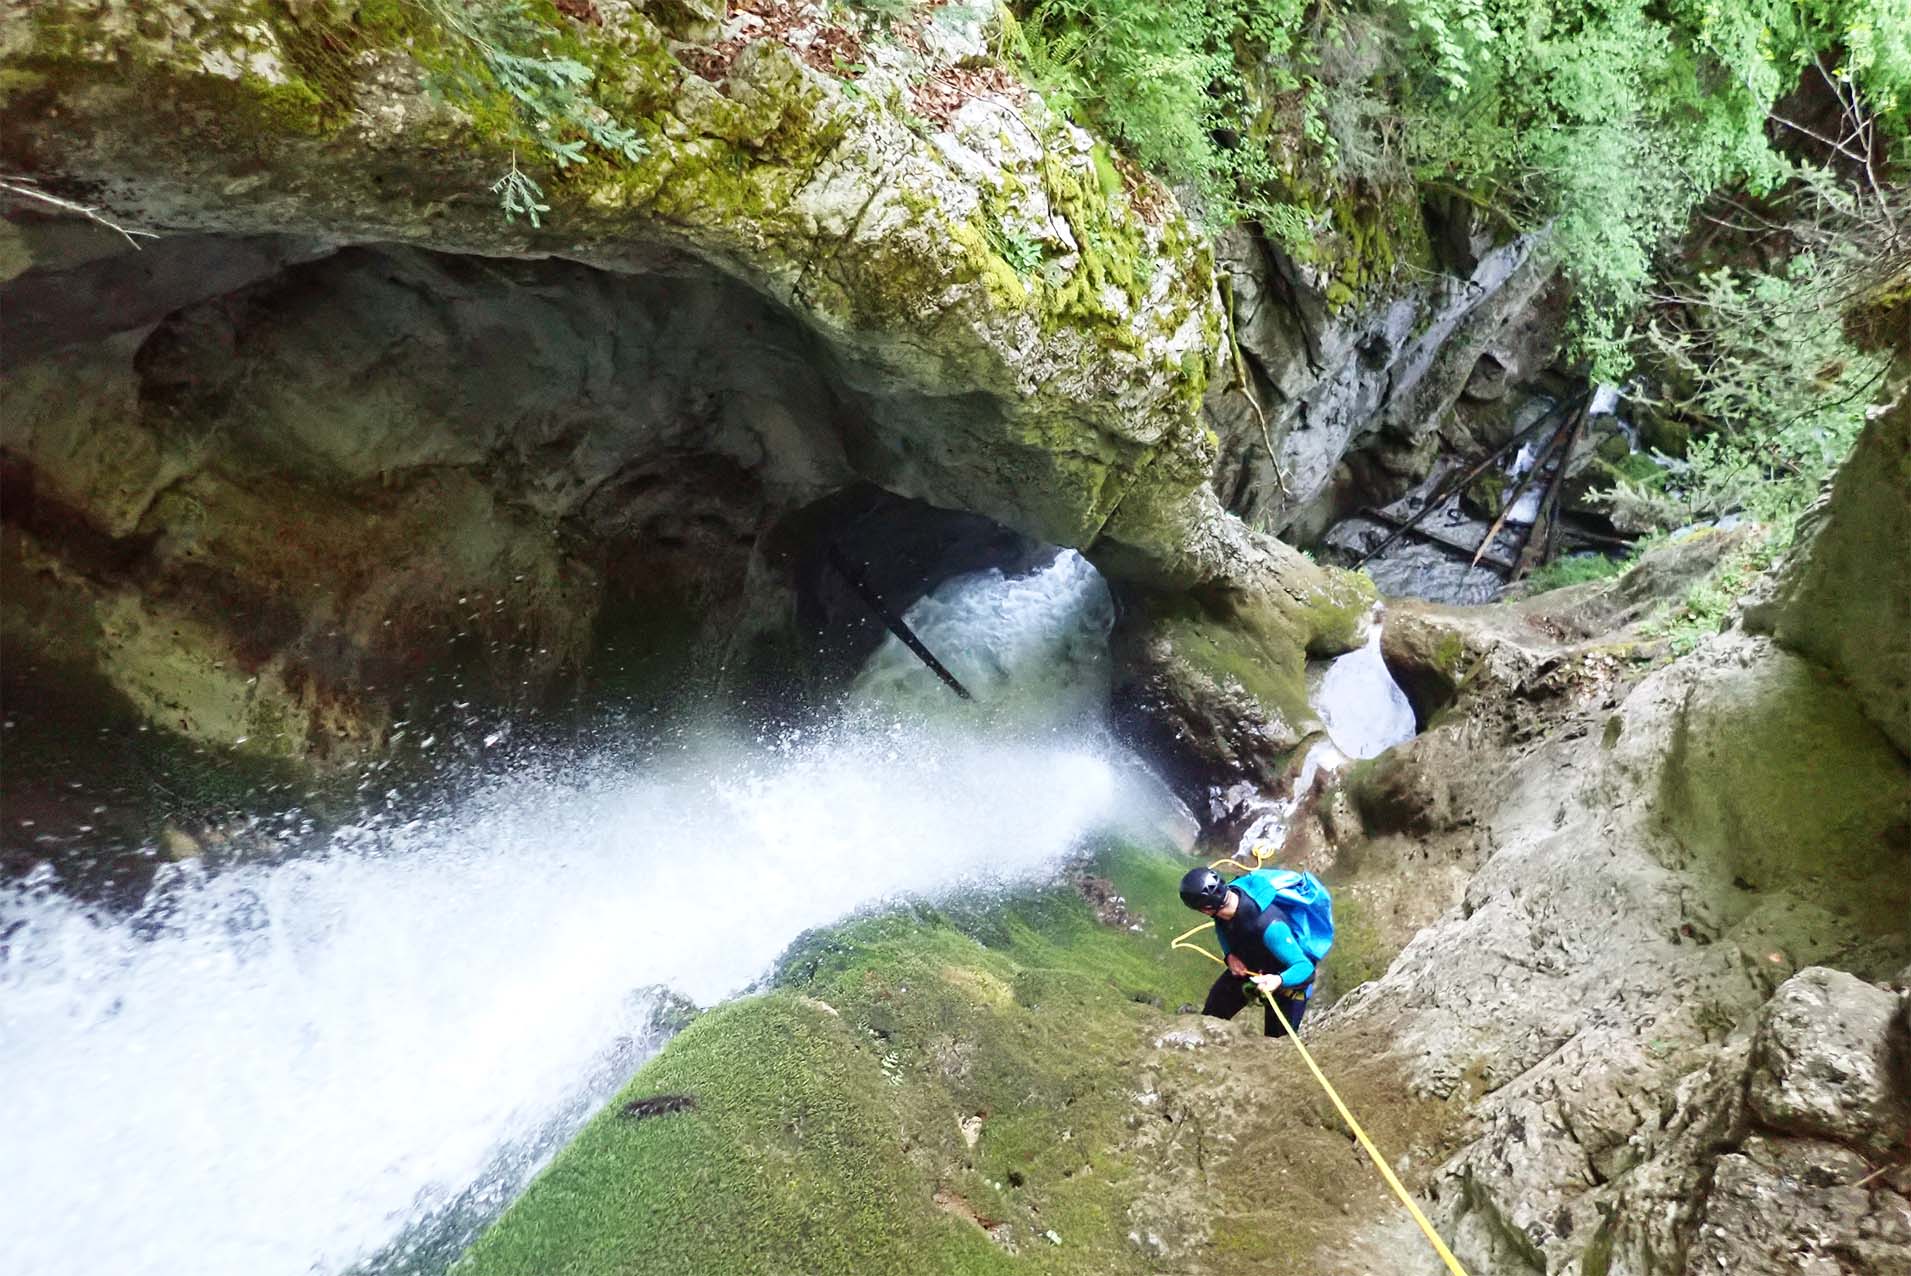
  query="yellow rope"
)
[{"x": 1380, "y": 1162}]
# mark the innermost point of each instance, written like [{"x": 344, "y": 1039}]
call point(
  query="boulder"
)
[
  {"x": 1829, "y": 1063},
  {"x": 1214, "y": 688},
  {"x": 1403, "y": 790},
  {"x": 1772, "y": 777},
  {"x": 1844, "y": 598},
  {"x": 1779, "y": 1207}
]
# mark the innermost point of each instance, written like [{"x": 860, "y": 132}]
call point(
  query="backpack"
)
[{"x": 1302, "y": 899}]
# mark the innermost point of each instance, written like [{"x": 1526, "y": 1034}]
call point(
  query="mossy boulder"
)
[
  {"x": 1212, "y": 684},
  {"x": 1659, "y": 431},
  {"x": 1426, "y": 650},
  {"x": 1043, "y": 391},
  {"x": 1403, "y": 790}
]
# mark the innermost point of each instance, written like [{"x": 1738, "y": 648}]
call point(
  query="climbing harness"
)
[{"x": 1185, "y": 940}]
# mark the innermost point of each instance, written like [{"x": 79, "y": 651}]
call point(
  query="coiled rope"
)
[{"x": 1380, "y": 1162}]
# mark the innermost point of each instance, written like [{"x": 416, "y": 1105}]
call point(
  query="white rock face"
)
[
  {"x": 1635, "y": 1000},
  {"x": 1823, "y": 1062}
]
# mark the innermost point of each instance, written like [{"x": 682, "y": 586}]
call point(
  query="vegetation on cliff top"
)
[{"x": 1610, "y": 121}]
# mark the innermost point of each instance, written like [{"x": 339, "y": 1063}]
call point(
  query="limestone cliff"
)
[
  {"x": 343, "y": 423},
  {"x": 1655, "y": 861}
]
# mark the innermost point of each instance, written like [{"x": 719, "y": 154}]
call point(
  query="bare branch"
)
[
  {"x": 1838, "y": 146},
  {"x": 30, "y": 190}
]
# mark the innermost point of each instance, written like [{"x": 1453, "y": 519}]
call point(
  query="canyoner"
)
[
  {"x": 1274, "y": 926},
  {"x": 1288, "y": 917}
]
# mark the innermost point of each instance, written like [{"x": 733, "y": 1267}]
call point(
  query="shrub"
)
[
  {"x": 1759, "y": 366},
  {"x": 1609, "y": 122},
  {"x": 1580, "y": 569}
]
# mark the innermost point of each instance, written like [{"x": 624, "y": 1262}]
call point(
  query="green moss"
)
[
  {"x": 1636, "y": 466},
  {"x": 312, "y": 96},
  {"x": 1369, "y": 236},
  {"x": 788, "y": 1163},
  {"x": 19, "y": 80},
  {"x": 1269, "y": 667},
  {"x": 1488, "y": 492},
  {"x": 1106, "y": 172},
  {"x": 827, "y": 1134},
  {"x": 1334, "y": 614},
  {"x": 322, "y": 47},
  {"x": 1362, "y": 951},
  {"x": 292, "y": 107},
  {"x": 1112, "y": 256}
]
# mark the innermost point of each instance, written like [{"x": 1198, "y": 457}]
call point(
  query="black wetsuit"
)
[{"x": 1246, "y": 936}]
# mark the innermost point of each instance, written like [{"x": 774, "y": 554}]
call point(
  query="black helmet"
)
[{"x": 1203, "y": 888}]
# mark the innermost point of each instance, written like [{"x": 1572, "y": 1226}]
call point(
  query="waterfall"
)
[
  {"x": 1029, "y": 648},
  {"x": 279, "y": 1067},
  {"x": 1365, "y": 711}
]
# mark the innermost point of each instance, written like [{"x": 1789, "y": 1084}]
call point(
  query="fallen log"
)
[
  {"x": 1406, "y": 527},
  {"x": 1447, "y": 491}
]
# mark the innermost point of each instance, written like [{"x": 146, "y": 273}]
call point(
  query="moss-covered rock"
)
[
  {"x": 786, "y": 1160},
  {"x": 920, "y": 1091},
  {"x": 1001, "y": 329},
  {"x": 1041, "y": 397},
  {"x": 1212, "y": 684},
  {"x": 1427, "y": 655},
  {"x": 998, "y": 1088}
]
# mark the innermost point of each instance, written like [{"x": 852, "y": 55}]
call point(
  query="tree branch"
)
[{"x": 30, "y": 190}]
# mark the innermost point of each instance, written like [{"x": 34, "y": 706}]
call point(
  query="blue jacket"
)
[{"x": 1262, "y": 939}]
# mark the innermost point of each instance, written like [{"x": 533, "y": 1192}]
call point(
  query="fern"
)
[{"x": 519, "y": 196}]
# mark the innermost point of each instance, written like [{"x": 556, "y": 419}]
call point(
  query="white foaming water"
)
[
  {"x": 1364, "y": 709},
  {"x": 1365, "y": 713},
  {"x": 278, "y": 1068},
  {"x": 1031, "y": 647},
  {"x": 1273, "y": 816}
]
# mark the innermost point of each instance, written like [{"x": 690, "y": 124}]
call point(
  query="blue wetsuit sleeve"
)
[
  {"x": 1297, "y": 969},
  {"x": 1221, "y": 937}
]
